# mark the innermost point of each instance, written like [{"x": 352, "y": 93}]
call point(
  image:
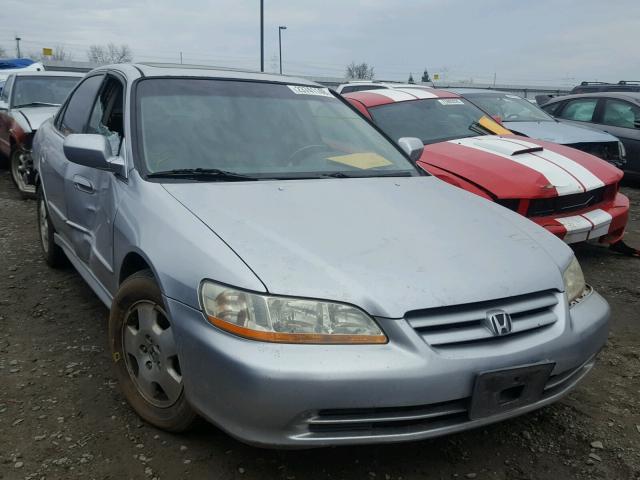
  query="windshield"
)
[
  {"x": 41, "y": 90},
  {"x": 433, "y": 120},
  {"x": 258, "y": 129},
  {"x": 510, "y": 108}
]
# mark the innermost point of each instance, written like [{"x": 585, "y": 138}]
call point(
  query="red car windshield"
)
[{"x": 431, "y": 120}]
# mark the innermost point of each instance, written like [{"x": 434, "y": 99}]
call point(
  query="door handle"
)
[{"x": 83, "y": 184}]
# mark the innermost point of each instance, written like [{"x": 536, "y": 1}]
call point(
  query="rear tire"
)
[
  {"x": 53, "y": 254},
  {"x": 144, "y": 350}
]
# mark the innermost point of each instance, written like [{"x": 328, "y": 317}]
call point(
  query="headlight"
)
[
  {"x": 286, "y": 320},
  {"x": 574, "y": 284},
  {"x": 621, "y": 150}
]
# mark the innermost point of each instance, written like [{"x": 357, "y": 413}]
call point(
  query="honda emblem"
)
[{"x": 498, "y": 322}]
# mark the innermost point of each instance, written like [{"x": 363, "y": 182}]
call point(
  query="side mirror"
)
[
  {"x": 412, "y": 146},
  {"x": 92, "y": 150}
]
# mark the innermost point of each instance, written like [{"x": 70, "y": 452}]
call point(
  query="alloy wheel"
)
[
  {"x": 150, "y": 354},
  {"x": 20, "y": 166}
]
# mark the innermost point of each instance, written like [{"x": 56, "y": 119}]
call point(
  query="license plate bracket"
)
[{"x": 499, "y": 391}]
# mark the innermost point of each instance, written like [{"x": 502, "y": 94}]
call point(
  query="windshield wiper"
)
[
  {"x": 37, "y": 104},
  {"x": 202, "y": 174}
]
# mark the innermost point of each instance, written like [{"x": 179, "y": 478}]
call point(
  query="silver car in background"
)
[
  {"x": 273, "y": 263},
  {"x": 528, "y": 120}
]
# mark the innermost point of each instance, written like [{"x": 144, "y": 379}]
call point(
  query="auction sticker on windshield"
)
[{"x": 318, "y": 91}]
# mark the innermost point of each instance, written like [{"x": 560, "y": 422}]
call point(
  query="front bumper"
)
[
  {"x": 605, "y": 222},
  {"x": 283, "y": 395}
]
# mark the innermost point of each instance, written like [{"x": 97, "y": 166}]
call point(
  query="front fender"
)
[{"x": 179, "y": 248}]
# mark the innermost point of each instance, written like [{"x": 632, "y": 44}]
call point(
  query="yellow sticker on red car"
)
[{"x": 363, "y": 161}]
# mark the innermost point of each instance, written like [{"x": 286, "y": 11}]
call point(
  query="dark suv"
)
[
  {"x": 621, "y": 86},
  {"x": 617, "y": 113}
]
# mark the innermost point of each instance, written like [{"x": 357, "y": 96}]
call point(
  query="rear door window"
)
[
  {"x": 580, "y": 109},
  {"x": 619, "y": 113}
]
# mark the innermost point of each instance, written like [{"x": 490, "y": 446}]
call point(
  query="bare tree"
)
[
  {"x": 3, "y": 52},
  {"x": 411, "y": 80},
  {"x": 110, "y": 53},
  {"x": 59, "y": 53},
  {"x": 360, "y": 71}
]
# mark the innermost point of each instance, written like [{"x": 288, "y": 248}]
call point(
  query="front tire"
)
[
  {"x": 19, "y": 163},
  {"x": 53, "y": 254},
  {"x": 144, "y": 350}
]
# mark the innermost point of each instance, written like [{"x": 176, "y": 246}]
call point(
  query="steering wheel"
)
[{"x": 296, "y": 157}]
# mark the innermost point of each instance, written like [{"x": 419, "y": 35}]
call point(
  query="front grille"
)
[
  {"x": 448, "y": 326},
  {"x": 510, "y": 203},
  {"x": 609, "y": 151},
  {"x": 433, "y": 418},
  {"x": 540, "y": 207}
]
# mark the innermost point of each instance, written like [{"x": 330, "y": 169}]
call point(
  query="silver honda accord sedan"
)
[{"x": 275, "y": 264}]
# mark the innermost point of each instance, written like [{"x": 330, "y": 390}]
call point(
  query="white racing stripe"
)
[
  {"x": 418, "y": 92},
  {"x": 564, "y": 183},
  {"x": 601, "y": 221},
  {"x": 584, "y": 176},
  {"x": 394, "y": 94},
  {"x": 577, "y": 227},
  {"x": 588, "y": 226}
]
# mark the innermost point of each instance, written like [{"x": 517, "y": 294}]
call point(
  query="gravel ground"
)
[{"x": 62, "y": 417}]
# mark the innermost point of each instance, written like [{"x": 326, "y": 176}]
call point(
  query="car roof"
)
[
  {"x": 47, "y": 73},
  {"x": 374, "y": 98},
  {"x": 633, "y": 96},
  {"x": 482, "y": 91},
  {"x": 150, "y": 70},
  {"x": 362, "y": 82}
]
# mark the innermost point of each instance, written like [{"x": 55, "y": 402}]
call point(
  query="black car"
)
[
  {"x": 593, "y": 87},
  {"x": 617, "y": 113}
]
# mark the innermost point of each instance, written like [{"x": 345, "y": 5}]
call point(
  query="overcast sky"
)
[{"x": 539, "y": 42}]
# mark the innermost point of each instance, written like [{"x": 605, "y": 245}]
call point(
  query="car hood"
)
[
  {"x": 388, "y": 245},
  {"x": 32, "y": 117},
  {"x": 518, "y": 167},
  {"x": 557, "y": 132}
]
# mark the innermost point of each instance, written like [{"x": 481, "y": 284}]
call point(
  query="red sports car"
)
[{"x": 571, "y": 193}]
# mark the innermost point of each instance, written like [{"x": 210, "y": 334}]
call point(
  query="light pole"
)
[
  {"x": 18, "y": 45},
  {"x": 262, "y": 35},
  {"x": 280, "y": 28}
]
